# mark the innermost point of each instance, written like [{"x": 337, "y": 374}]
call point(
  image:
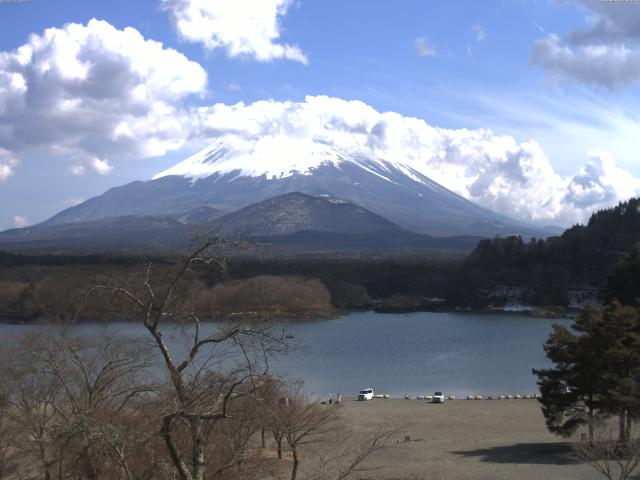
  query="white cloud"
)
[
  {"x": 20, "y": 221},
  {"x": 101, "y": 166},
  {"x": 86, "y": 91},
  {"x": 243, "y": 27},
  {"x": 605, "y": 54},
  {"x": 601, "y": 182},
  {"x": 494, "y": 171},
  {"x": 7, "y": 164},
  {"x": 479, "y": 32},
  {"x": 77, "y": 170},
  {"x": 424, "y": 48}
]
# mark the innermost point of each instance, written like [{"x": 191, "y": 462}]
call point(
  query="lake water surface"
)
[{"x": 417, "y": 353}]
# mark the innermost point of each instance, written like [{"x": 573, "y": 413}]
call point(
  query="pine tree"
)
[
  {"x": 596, "y": 372},
  {"x": 573, "y": 391}
]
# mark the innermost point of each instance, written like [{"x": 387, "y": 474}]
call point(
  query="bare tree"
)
[
  {"x": 304, "y": 422},
  {"x": 7, "y": 440},
  {"x": 350, "y": 457},
  {"x": 215, "y": 370},
  {"x": 614, "y": 459},
  {"x": 71, "y": 398}
]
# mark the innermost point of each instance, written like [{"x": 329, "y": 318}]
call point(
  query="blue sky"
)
[{"x": 563, "y": 74}]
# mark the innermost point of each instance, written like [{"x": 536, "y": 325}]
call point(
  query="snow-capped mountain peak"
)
[
  {"x": 277, "y": 157},
  {"x": 273, "y": 157}
]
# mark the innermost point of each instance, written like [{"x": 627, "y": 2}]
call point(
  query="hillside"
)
[
  {"x": 551, "y": 271},
  {"x": 296, "y": 212}
]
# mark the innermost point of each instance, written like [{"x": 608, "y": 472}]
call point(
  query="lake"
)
[{"x": 398, "y": 354}]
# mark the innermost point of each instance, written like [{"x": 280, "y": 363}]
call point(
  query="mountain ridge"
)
[{"x": 293, "y": 222}]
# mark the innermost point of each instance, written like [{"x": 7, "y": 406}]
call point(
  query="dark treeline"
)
[
  {"x": 9, "y": 259},
  {"x": 34, "y": 285},
  {"x": 583, "y": 256},
  {"x": 381, "y": 278}
]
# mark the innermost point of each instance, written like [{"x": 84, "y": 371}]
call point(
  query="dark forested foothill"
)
[{"x": 547, "y": 272}]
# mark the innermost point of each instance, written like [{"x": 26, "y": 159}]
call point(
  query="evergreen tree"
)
[
  {"x": 621, "y": 333},
  {"x": 596, "y": 372},
  {"x": 572, "y": 391},
  {"x": 624, "y": 283}
]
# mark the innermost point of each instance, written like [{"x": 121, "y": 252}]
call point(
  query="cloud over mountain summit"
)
[{"x": 495, "y": 171}]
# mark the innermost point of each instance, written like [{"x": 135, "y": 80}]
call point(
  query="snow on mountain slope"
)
[{"x": 280, "y": 156}]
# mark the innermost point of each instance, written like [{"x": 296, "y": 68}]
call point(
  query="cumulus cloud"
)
[
  {"x": 601, "y": 182},
  {"x": 7, "y": 164},
  {"x": 77, "y": 170},
  {"x": 101, "y": 166},
  {"x": 242, "y": 27},
  {"x": 93, "y": 91},
  {"x": 494, "y": 171},
  {"x": 606, "y": 53},
  {"x": 424, "y": 48},
  {"x": 20, "y": 221}
]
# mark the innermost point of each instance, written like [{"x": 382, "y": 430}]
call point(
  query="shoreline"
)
[{"x": 13, "y": 318}]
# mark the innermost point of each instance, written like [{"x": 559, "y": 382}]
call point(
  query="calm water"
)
[{"x": 406, "y": 353}]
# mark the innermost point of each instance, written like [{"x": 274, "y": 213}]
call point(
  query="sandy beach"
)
[{"x": 467, "y": 439}]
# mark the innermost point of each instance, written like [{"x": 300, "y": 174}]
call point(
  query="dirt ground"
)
[{"x": 467, "y": 439}]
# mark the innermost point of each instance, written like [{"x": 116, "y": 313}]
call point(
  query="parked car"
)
[
  {"x": 365, "y": 394},
  {"x": 438, "y": 397}
]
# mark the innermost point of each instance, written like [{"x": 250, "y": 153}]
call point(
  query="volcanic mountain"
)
[{"x": 234, "y": 173}]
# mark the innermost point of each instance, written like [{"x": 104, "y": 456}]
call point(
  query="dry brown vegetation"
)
[
  {"x": 53, "y": 294},
  {"x": 271, "y": 295},
  {"x": 185, "y": 402}
]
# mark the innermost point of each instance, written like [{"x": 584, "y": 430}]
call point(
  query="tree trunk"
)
[
  {"x": 90, "y": 471},
  {"x": 181, "y": 468},
  {"x": 625, "y": 426},
  {"x": 262, "y": 440},
  {"x": 590, "y": 418},
  {"x": 278, "y": 438},
  {"x": 296, "y": 463},
  {"x": 197, "y": 454}
]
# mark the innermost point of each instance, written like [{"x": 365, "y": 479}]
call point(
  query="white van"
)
[
  {"x": 437, "y": 397},
  {"x": 365, "y": 394}
]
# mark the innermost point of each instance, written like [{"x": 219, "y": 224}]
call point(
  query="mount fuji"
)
[{"x": 233, "y": 173}]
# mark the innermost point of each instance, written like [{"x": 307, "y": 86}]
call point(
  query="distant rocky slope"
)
[{"x": 296, "y": 212}]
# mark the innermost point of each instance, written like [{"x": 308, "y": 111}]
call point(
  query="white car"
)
[
  {"x": 365, "y": 394},
  {"x": 438, "y": 397}
]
